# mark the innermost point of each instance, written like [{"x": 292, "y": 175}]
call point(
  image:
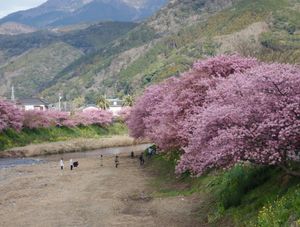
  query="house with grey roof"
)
[{"x": 32, "y": 104}]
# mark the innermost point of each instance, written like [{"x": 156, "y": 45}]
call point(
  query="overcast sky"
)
[{"x": 10, "y": 6}]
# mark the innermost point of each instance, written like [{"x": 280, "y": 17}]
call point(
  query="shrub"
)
[
  {"x": 284, "y": 211},
  {"x": 239, "y": 180}
]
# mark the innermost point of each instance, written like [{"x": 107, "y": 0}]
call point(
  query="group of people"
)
[
  {"x": 149, "y": 153},
  {"x": 72, "y": 164}
]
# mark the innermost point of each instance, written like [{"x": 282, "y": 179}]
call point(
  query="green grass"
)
[
  {"x": 11, "y": 138},
  {"x": 284, "y": 211},
  {"x": 245, "y": 195}
]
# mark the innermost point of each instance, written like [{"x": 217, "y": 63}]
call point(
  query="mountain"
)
[
  {"x": 31, "y": 61},
  {"x": 165, "y": 45},
  {"x": 55, "y": 13},
  {"x": 38, "y": 66},
  {"x": 91, "y": 38},
  {"x": 181, "y": 33}
]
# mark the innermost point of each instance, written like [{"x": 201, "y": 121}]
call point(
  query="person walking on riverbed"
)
[
  {"x": 101, "y": 160},
  {"x": 61, "y": 164},
  {"x": 142, "y": 160},
  {"x": 71, "y": 164},
  {"x": 117, "y": 161}
]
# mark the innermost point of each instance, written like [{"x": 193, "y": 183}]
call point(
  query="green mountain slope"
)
[
  {"x": 180, "y": 34},
  {"x": 97, "y": 74},
  {"x": 30, "y": 71},
  {"x": 31, "y": 61},
  {"x": 123, "y": 58},
  {"x": 85, "y": 75},
  {"x": 88, "y": 39},
  {"x": 267, "y": 29}
]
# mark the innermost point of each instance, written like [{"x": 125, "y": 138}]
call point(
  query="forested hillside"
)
[
  {"x": 183, "y": 32},
  {"x": 31, "y": 61},
  {"x": 265, "y": 29},
  {"x": 118, "y": 59},
  {"x": 99, "y": 73}
]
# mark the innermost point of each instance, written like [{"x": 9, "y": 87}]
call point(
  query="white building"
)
[
  {"x": 115, "y": 105},
  {"x": 32, "y": 104}
]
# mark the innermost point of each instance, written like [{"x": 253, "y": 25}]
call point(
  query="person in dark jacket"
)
[
  {"x": 117, "y": 161},
  {"x": 142, "y": 160}
]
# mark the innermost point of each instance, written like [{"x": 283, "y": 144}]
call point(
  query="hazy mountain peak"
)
[
  {"x": 65, "y": 5},
  {"x": 55, "y": 13}
]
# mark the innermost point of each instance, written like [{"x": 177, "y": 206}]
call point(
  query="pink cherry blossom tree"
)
[
  {"x": 225, "y": 110},
  {"x": 252, "y": 116},
  {"x": 161, "y": 113},
  {"x": 50, "y": 118},
  {"x": 10, "y": 116}
]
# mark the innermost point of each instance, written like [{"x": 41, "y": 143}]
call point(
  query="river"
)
[{"x": 12, "y": 162}]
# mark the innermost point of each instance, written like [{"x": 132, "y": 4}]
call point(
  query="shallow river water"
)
[{"x": 12, "y": 162}]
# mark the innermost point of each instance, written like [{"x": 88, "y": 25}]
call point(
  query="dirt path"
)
[{"x": 92, "y": 195}]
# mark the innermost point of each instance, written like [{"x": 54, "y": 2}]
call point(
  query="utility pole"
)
[
  {"x": 59, "y": 102},
  {"x": 13, "y": 93}
]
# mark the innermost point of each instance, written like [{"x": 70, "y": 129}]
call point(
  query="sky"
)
[{"x": 10, "y": 6}]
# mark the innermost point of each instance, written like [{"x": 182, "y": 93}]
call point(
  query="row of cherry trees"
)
[
  {"x": 14, "y": 118},
  {"x": 223, "y": 111}
]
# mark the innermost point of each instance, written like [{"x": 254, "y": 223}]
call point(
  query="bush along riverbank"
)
[
  {"x": 246, "y": 195},
  {"x": 10, "y": 138}
]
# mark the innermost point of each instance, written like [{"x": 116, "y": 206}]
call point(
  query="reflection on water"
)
[{"x": 12, "y": 162}]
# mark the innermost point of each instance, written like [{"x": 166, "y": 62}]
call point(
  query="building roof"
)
[
  {"x": 90, "y": 108},
  {"x": 32, "y": 101}
]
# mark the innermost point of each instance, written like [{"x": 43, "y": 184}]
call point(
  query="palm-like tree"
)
[
  {"x": 103, "y": 103},
  {"x": 128, "y": 100}
]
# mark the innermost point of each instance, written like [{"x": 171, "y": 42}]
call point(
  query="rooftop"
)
[{"x": 32, "y": 101}]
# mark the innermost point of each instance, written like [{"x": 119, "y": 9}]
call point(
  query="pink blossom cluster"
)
[
  {"x": 161, "y": 113},
  {"x": 89, "y": 117},
  {"x": 10, "y": 116},
  {"x": 44, "y": 119},
  {"x": 13, "y": 117},
  {"x": 225, "y": 110},
  {"x": 124, "y": 113}
]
